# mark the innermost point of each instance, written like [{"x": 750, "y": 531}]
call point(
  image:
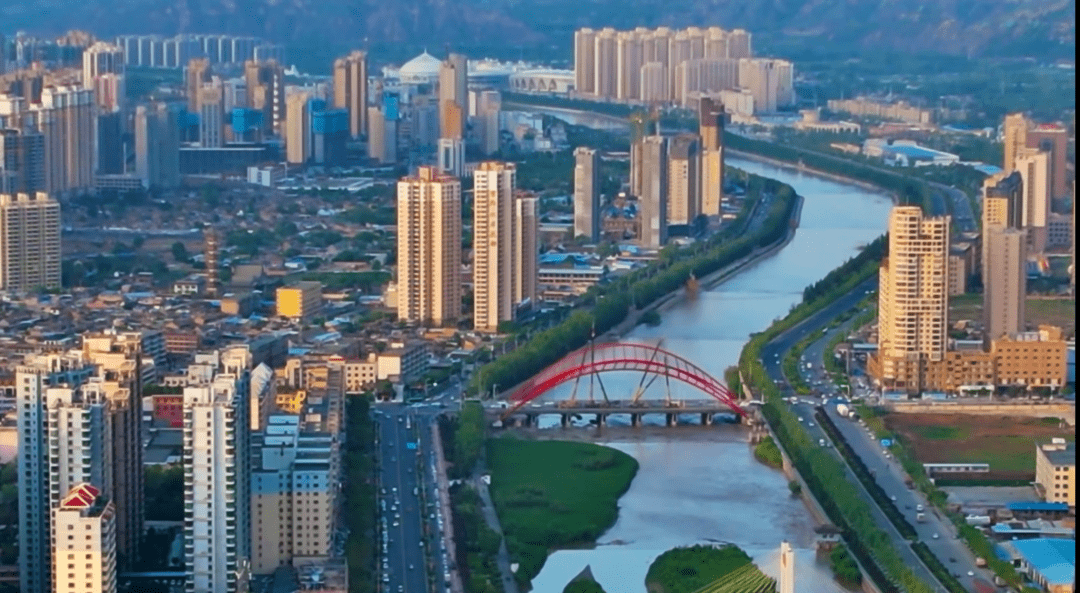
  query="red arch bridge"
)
[{"x": 652, "y": 361}]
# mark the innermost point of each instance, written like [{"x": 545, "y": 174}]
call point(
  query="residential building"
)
[
  {"x": 453, "y": 97},
  {"x": 157, "y": 146},
  {"x": 684, "y": 179},
  {"x": 501, "y": 245},
  {"x": 770, "y": 81},
  {"x": 376, "y": 142},
  {"x": 429, "y": 248},
  {"x": 488, "y": 108},
  {"x": 1015, "y": 139},
  {"x": 912, "y": 300},
  {"x": 104, "y": 73},
  {"x": 1036, "y": 359},
  {"x": 298, "y": 148},
  {"x": 652, "y": 169},
  {"x": 587, "y": 194},
  {"x": 1034, "y": 168},
  {"x": 212, "y": 115},
  {"x": 196, "y": 75},
  {"x": 1004, "y": 281},
  {"x": 265, "y": 90},
  {"x": 584, "y": 61},
  {"x": 217, "y": 499},
  {"x": 22, "y": 160},
  {"x": 351, "y": 90},
  {"x": 299, "y": 302},
  {"x": 32, "y": 382},
  {"x": 403, "y": 362},
  {"x": 711, "y": 119},
  {"x": 65, "y": 117},
  {"x": 29, "y": 242},
  {"x": 84, "y": 550},
  {"x": 1055, "y": 471},
  {"x": 451, "y": 156},
  {"x": 1053, "y": 139}
]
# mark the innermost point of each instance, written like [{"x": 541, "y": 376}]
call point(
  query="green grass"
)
[
  {"x": 552, "y": 494},
  {"x": 704, "y": 569},
  {"x": 768, "y": 453}
]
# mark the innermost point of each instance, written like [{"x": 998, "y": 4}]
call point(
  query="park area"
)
[{"x": 1007, "y": 443}]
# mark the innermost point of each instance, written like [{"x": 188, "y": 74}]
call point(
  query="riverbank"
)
[
  {"x": 801, "y": 167},
  {"x": 554, "y": 494}
]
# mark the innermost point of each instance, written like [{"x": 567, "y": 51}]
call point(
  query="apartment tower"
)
[
  {"x": 157, "y": 145},
  {"x": 684, "y": 179},
  {"x": 84, "y": 554},
  {"x": 504, "y": 240},
  {"x": 711, "y": 129},
  {"x": 584, "y": 61},
  {"x": 217, "y": 520},
  {"x": 429, "y": 247},
  {"x": 29, "y": 242},
  {"x": 453, "y": 96},
  {"x": 65, "y": 117},
  {"x": 1034, "y": 168},
  {"x": 351, "y": 90},
  {"x": 195, "y": 76},
  {"x": 652, "y": 162},
  {"x": 913, "y": 299},
  {"x": 1004, "y": 257},
  {"x": 265, "y": 88},
  {"x": 298, "y": 138},
  {"x": 587, "y": 221}
]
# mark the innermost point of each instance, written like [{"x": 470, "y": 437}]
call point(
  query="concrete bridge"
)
[{"x": 527, "y": 415}]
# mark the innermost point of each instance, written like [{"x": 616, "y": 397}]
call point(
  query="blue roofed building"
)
[{"x": 1049, "y": 563}]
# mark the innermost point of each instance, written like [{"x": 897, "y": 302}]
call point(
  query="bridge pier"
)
[
  {"x": 706, "y": 419},
  {"x": 601, "y": 419},
  {"x": 635, "y": 420},
  {"x": 565, "y": 420},
  {"x": 672, "y": 419}
]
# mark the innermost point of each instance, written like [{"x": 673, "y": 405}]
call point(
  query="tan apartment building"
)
[
  {"x": 1055, "y": 471},
  {"x": 684, "y": 179},
  {"x": 711, "y": 128},
  {"x": 351, "y": 90},
  {"x": 504, "y": 245},
  {"x": 913, "y": 300},
  {"x": 29, "y": 242},
  {"x": 84, "y": 546},
  {"x": 1031, "y": 359},
  {"x": 299, "y": 302},
  {"x": 297, "y": 128},
  {"x": 429, "y": 248}
]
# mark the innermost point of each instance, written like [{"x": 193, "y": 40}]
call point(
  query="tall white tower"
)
[{"x": 787, "y": 568}]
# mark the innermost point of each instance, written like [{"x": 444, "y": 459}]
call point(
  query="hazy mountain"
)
[{"x": 1037, "y": 28}]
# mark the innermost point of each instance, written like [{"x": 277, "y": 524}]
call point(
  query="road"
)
[
  {"x": 950, "y": 550},
  {"x": 963, "y": 216}
]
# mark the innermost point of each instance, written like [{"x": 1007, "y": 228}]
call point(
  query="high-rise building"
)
[
  {"x": 84, "y": 553},
  {"x": 1034, "y": 168},
  {"x": 210, "y": 256},
  {"x": 65, "y": 117},
  {"x": 29, "y": 242},
  {"x": 1005, "y": 282},
  {"x": 157, "y": 145},
  {"x": 298, "y": 138},
  {"x": 33, "y": 380},
  {"x": 653, "y": 196},
  {"x": 429, "y": 247},
  {"x": 587, "y": 194},
  {"x": 1003, "y": 201},
  {"x": 711, "y": 128},
  {"x": 104, "y": 73},
  {"x": 770, "y": 82},
  {"x": 217, "y": 498},
  {"x": 451, "y": 156},
  {"x": 330, "y": 134},
  {"x": 1015, "y": 139},
  {"x": 488, "y": 106},
  {"x": 351, "y": 90},
  {"x": 684, "y": 179},
  {"x": 606, "y": 63},
  {"x": 1053, "y": 139},
  {"x": 504, "y": 234},
  {"x": 584, "y": 61},
  {"x": 628, "y": 63},
  {"x": 913, "y": 303},
  {"x": 376, "y": 142},
  {"x": 265, "y": 88},
  {"x": 196, "y": 75},
  {"x": 526, "y": 250},
  {"x": 22, "y": 161},
  {"x": 453, "y": 96}
]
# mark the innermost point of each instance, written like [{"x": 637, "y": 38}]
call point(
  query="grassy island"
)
[
  {"x": 554, "y": 494},
  {"x": 706, "y": 569}
]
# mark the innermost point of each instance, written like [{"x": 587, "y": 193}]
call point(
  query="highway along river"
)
[{"x": 701, "y": 484}]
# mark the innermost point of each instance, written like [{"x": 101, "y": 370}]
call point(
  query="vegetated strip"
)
[
  {"x": 359, "y": 491},
  {"x": 768, "y": 453},
  {"x": 823, "y": 473},
  {"x": 939, "y": 570},
  {"x": 554, "y": 494},
  {"x": 641, "y": 288},
  {"x": 863, "y": 474},
  {"x": 476, "y": 544},
  {"x": 975, "y": 539}
]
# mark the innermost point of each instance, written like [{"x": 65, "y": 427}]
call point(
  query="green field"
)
[
  {"x": 1040, "y": 311},
  {"x": 554, "y": 494},
  {"x": 706, "y": 569}
]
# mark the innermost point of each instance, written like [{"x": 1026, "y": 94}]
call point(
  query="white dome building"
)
[{"x": 423, "y": 69}]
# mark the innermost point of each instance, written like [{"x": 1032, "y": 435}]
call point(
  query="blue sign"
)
[
  {"x": 410, "y": 445},
  {"x": 886, "y": 443}
]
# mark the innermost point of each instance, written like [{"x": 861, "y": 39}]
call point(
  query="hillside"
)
[{"x": 1035, "y": 28}]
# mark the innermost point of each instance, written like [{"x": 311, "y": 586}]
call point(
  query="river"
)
[{"x": 702, "y": 484}]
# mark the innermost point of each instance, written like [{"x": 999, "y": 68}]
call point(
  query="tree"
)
[{"x": 179, "y": 252}]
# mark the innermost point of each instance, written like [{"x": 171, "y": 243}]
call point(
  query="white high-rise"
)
[
  {"x": 84, "y": 553},
  {"x": 504, "y": 245},
  {"x": 1034, "y": 168},
  {"x": 29, "y": 242},
  {"x": 217, "y": 511}
]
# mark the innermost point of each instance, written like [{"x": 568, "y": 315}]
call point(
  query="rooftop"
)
[
  {"x": 1060, "y": 454},
  {"x": 1054, "y": 559}
]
